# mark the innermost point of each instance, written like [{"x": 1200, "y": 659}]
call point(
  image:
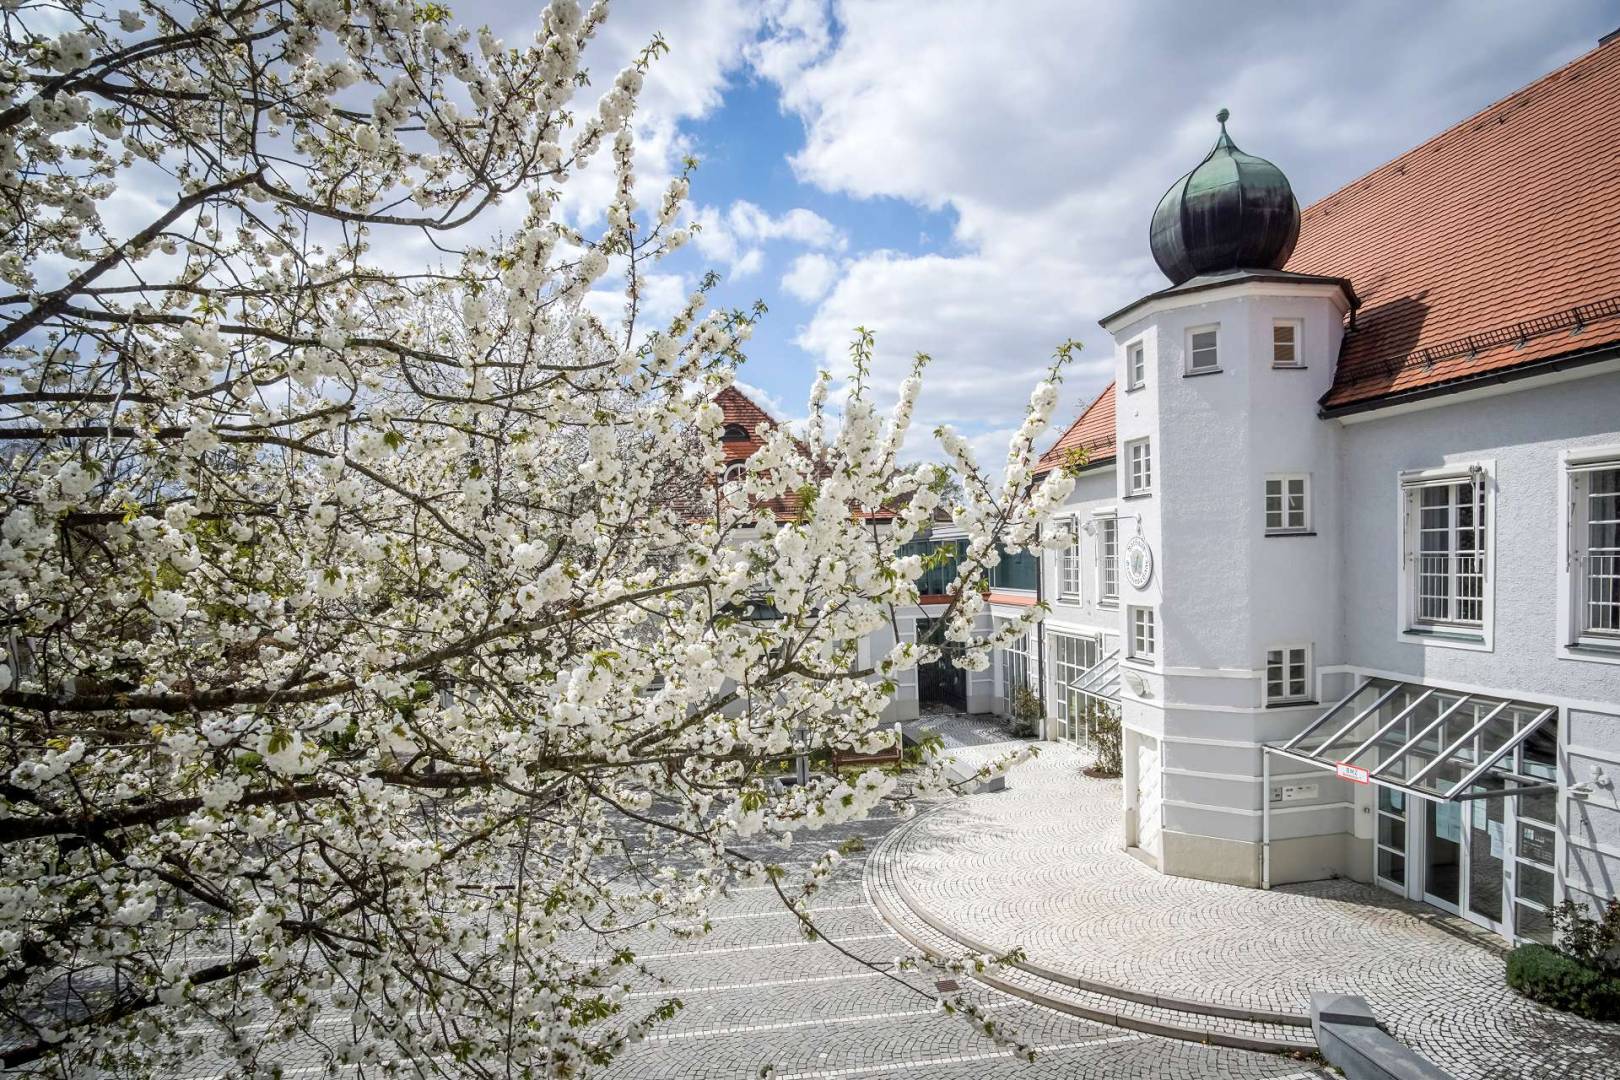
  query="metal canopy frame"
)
[{"x": 1499, "y": 726}]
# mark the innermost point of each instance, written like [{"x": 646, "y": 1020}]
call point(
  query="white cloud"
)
[
  {"x": 1048, "y": 129},
  {"x": 810, "y": 277},
  {"x": 748, "y": 264}
]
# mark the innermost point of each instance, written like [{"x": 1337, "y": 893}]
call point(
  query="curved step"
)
[{"x": 1284, "y": 1033}]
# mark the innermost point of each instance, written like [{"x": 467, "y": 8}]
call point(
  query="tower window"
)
[
  {"x": 1144, "y": 635},
  {"x": 1288, "y": 674},
  {"x": 1135, "y": 366},
  {"x": 1285, "y": 343},
  {"x": 1203, "y": 351},
  {"x": 1288, "y": 504},
  {"x": 1139, "y": 453},
  {"x": 734, "y": 433}
]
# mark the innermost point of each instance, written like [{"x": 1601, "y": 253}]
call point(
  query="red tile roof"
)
[
  {"x": 1485, "y": 247},
  {"x": 1092, "y": 432},
  {"x": 738, "y": 408}
]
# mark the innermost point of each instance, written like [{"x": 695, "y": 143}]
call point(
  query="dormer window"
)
[
  {"x": 734, "y": 433},
  {"x": 1203, "y": 350}
]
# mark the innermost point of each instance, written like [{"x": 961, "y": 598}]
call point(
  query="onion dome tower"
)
[{"x": 1234, "y": 211}]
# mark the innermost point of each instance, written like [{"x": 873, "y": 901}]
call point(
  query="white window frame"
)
[
  {"x": 1285, "y": 526},
  {"x": 1285, "y": 658},
  {"x": 1577, "y": 639},
  {"x": 1107, "y": 559},
  {"x": 1068, "y": 561},
  {"x": 1015, "y": 666},
  {"x": 1448, "y": 629},
  {"x": 1072, "y": 656},
  {"x": 1193, "y": 331},
  {"x": 1132, "y": 473},
  {"x": 1141, "y": 634},
  {"x": 1136, "y": 365},
  {"x": 1298, "y": 327}
]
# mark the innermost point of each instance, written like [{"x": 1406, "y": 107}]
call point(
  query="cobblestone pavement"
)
[
  {"x": 757, "y": 995},
  {"x": 1042, "y": 866}
]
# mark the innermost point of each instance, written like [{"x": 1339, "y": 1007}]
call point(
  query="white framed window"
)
[
  {"x": 1203, "y": 350},
  {"x": 735, "y": 473},
  {"x": 1108, "y": 560},
  {"x": 1288, "y": 674},
  {"x": 1069, "y": 564},
  {"x": 1287, "y": 343},
  {"x": 1594, "y": 552},
  {"x": 1135, "y": 366},
  {"x": 1014, "y": 668},
  {"x": 1139, "y": 460},
  {"x": 1447, "y": 591},
  {"x": 1072, "y": 657},
  {"x": 1144, "y": 640},
  {"x": 1288, "y": 503}
]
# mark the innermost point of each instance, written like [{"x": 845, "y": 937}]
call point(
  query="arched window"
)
[
  {"x": 734, "y": 433},
  {"x": 735, "y": 473}
]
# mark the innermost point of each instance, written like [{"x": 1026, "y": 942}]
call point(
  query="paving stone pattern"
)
[
  {"x": 1042, "y": 866},
  {"x": 756, "y": 994}
]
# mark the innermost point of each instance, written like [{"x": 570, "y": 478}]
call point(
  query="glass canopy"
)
[{"x": 1438, "y": 744}]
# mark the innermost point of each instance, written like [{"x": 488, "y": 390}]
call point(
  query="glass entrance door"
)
[
  {"x": 1466, "y": 858},
  {"x": 1442, "y": 854},
  {"x": 1487, "y": 855}
]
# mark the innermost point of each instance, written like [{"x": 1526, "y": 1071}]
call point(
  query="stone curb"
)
[{"x": 877, "y": 864}]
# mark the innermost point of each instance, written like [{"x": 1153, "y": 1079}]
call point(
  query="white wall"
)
[
  {"x": 1223, "y": 591},
  {"x": 1522, "y": 433}
]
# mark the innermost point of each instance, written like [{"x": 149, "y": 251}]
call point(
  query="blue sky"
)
[{"x": 975, "y": 180}]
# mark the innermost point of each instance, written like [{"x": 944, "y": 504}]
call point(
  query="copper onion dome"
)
[{"x": 1234, "y": 211}]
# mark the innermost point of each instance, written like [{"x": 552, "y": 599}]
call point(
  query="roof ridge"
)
[{"x": 1609, "y": 50}]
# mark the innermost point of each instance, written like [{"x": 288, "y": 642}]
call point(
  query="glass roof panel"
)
[{"x": 1441, "y": 743}]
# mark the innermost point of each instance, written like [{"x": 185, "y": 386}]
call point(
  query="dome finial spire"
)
[{"x": 1234, "y": 211}]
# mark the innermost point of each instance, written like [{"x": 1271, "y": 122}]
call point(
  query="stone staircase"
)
[{"x": 1193, "y": 1021}]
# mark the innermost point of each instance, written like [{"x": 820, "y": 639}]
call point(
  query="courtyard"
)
[{"x": 1041, "y": 866}]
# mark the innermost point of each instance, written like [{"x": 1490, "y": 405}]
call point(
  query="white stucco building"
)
[{"x": 1349, "y": 555}]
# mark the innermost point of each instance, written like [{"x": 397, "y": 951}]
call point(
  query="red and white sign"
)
[{"x": 1352, "y": 772}]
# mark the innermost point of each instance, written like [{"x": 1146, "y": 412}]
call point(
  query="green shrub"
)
[
  {"x": 1548, "y": 976},
  {"x": 1027, "y": 713}
]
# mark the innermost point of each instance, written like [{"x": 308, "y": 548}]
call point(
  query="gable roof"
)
[
  {"x": 1492, "y": 246},
  {"x": 738, "y": 408},
  {"x": 1092, "y": 431}
]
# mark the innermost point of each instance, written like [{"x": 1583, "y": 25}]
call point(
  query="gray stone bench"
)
[{"x": 1350, "y": 1037}]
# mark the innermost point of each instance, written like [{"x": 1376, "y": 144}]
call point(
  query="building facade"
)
[{"x": 1348, "y": 523}]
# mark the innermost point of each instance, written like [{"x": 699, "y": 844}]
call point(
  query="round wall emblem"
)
[{"x": 1138, "y": 562}]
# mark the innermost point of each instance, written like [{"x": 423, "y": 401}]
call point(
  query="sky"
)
[{"x": 974, "y": 180}]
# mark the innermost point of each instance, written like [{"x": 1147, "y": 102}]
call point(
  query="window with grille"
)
[
  {"x": 1135, "y": 366},
  {"x": 1446, "y": 551},
  {"x": 1288, "y": 674},
  {"x": 1069, "y": 565},
  {"x": 1288, "y": 507},
  {"x": 1144, "y": 637},
  {"x": 1108, "y": 559},
  {"x": 1285, "y": 343},
  {"x": 1203, "y": 350},
  {"x": 1139, "y": 455},
  {"x": 1595, "y": 550}
]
